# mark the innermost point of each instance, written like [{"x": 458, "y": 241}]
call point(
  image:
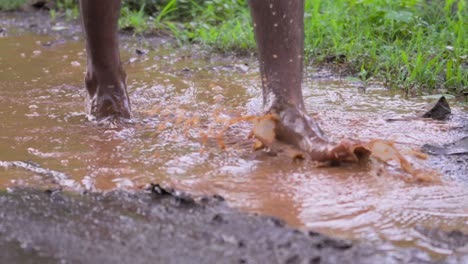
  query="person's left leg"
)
[
  {"x": 105, "y": 78},
  {"x": 279, "y": 32}
]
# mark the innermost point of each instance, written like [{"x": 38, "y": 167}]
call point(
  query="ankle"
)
[{"x": 107, "y": 94}]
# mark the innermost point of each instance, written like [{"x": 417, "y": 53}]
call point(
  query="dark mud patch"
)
[
  {"x": 448, "y": 240},
  {"x": 163, "y": 226},
  {"x": 39, "y": 22},
  {"x": 452, "y": 158},
  {"x": 458, "y": 147}
]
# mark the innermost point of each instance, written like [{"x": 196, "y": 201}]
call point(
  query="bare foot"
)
[
  {"x": 106, "y": 100},
  {"x": 294, "y": 127}
]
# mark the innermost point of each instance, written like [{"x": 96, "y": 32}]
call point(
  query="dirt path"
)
[{"x": 163, "y": 227}]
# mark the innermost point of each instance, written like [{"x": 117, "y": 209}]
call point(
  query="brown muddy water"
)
[{"x": 181, "y": 103}]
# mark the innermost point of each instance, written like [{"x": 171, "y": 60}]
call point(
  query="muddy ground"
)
[{"x": 163, "y": 226}]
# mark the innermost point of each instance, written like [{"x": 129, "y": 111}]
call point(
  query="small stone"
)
[
  {"x": 218, "y": 98},
  {"x": 75, "y": 64},
  {"x": 438, "y": 110},
  {"x": 140, "y": 51},
  {"x": 243, "y": 67},
  {"x": 217, "y": 89}
]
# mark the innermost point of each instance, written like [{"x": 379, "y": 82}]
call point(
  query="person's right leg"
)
[{"x": 105, "y": 78}]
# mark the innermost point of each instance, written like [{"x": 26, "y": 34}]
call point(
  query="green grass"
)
[
  {"x": 135, "y": 20},
  {"x": 69, "y": 9},
  {"x": 11, "y": 4},
  {"x": 413, "y": 45}
]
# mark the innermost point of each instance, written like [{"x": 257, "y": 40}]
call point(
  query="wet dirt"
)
[
  {"x": 182, "y": 100},
  {"x": 165, "y": 227},
  {"x": 458, "y": 147}
]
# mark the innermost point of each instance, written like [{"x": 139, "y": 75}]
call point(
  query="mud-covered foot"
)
[
  {"x": 293, "y": 127},
  {"x": 107, "y": 106},
  {"x": 107, "y": 100}
]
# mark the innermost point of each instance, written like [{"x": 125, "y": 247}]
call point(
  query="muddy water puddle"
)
[{"x": 182, "y": 103}]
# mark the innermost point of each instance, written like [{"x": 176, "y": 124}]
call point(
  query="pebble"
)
[
  {"x": 217, "y": 89},
  {"x": 218, "y": 98},
  {"x": 75, "y": 64}
]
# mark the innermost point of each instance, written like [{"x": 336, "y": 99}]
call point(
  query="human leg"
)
[
  {"x": 279, "y": 33},
  {"x": 105, "y": 79}
]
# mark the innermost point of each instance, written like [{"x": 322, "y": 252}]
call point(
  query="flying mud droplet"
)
[
  {"x": 384, "y": 152},
  {"x": 264, "y": 129}
]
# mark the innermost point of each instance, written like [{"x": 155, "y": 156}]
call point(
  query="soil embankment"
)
[{"x": 164, "y": 227}]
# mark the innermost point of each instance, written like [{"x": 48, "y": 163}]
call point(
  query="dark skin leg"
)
[
  {"x": 105, "y": 78},
  {"x": 279, "y": 32}
]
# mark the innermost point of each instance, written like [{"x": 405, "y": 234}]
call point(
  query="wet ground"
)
[
  {"x": 119, "y": 227},
  {"x": 182, "y": 100}
]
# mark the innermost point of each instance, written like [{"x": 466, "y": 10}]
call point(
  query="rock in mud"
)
[{"x": 438, "y": 110}]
